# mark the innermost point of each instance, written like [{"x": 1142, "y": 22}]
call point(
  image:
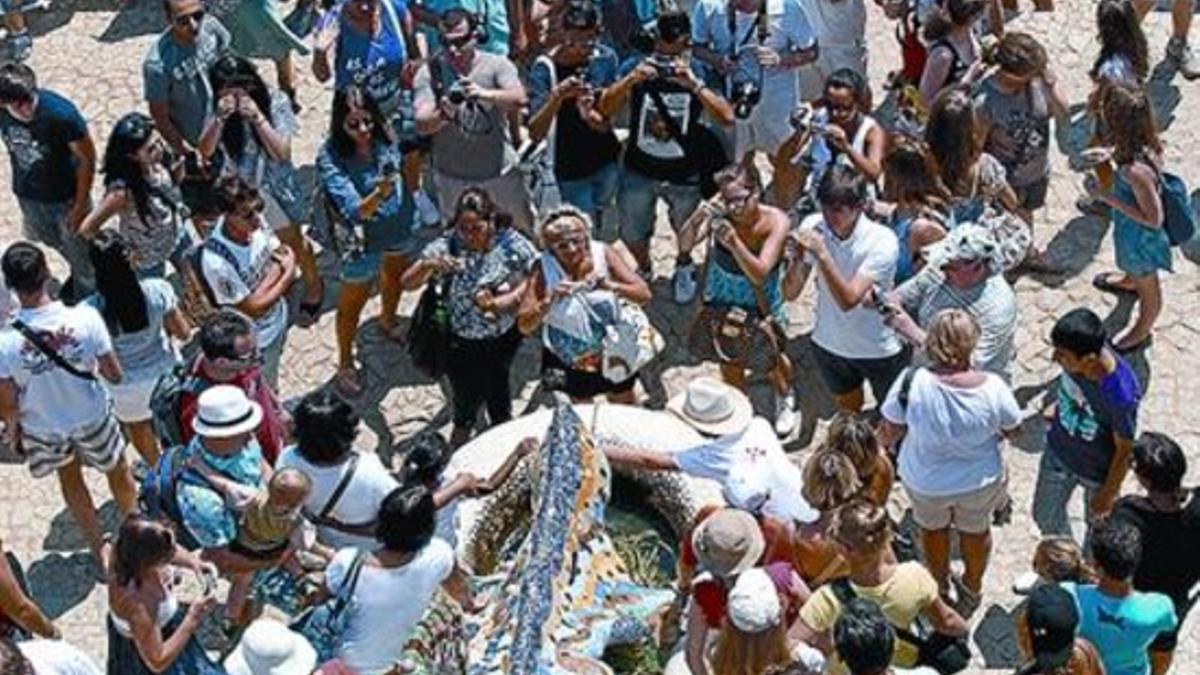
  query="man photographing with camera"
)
[
  {"x": 462, "y": 99},
  {"x": 670, "y": 154},
  {"x": 757, "y": 48}
]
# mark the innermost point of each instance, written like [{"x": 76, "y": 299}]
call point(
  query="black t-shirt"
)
[
  {"x": 652, "y": 149},
  {"x": 1170, "y": 546},
  {"x": 43, "y": 167},
  {"x": 579, "y": 150}
]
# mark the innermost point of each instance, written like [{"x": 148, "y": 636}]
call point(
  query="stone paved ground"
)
[{"x": 91, "y": 51}]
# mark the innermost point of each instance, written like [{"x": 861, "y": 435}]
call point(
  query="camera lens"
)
[{"x": 456, "y": 97}]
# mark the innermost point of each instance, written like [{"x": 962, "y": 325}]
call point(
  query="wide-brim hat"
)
[
  {"x": 271, "y": 648},
  {"x": 712, "y": 407},
  {"x": 224, "y": 411},
  {"x": 728, "y": 542}
]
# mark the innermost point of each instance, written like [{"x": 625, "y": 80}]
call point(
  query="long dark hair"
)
[
  {"x": 120, "y": 166},
  {"x": 1121, "y": 35},
  {"x": 124, "y": 308},
  {"x": 950, "y": 134},
  {"x": 141, "y": 543},
  {"x": 350, "y": 99},
  {"x": 231, "y": 71}
]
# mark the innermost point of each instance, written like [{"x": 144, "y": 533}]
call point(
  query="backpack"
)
[
  {"x": 199, "y": 300},
  {"x": 1178, "y": 219},
  {"x": 166, "y": 402},
  {"x": 158, "y": 498}
]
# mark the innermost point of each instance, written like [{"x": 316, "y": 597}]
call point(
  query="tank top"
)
[
  {"x": 166, "y": 611},
  {"x": 958, "y": 66}
]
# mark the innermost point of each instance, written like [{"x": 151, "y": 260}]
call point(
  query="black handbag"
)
[
  {"x": 944, "y": 653},
  {"x": 429, "y": 333}
]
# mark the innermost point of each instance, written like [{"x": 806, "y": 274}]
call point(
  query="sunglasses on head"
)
[{"x": 186, "y": 20}]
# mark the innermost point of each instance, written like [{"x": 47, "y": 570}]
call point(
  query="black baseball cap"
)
[{"x": 1052, "y": 617}]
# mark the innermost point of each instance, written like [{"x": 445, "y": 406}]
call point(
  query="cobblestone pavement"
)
[{"x": 91, "y": 51}]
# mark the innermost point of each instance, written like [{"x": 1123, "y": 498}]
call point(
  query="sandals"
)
[
  {"x": 967, "y": 601},
  {"x": 347, "y": 382},
  {"x": 1105, "y": 283}
]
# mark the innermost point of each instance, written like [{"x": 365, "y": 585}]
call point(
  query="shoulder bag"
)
[
  {"x": 736, "y": 336},
  {"x": 39, "y": 341},
  {"x": 325, "y": 517},
  {"x": 324, "y": 624}
]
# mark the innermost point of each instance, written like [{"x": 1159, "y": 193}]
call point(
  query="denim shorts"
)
[{"x": 364, "y": 268}]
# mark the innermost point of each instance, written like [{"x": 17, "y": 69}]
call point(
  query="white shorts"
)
[{"x": 131, "y": 400}]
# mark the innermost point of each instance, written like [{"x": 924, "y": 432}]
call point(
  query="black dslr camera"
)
[{"x": 744, "y": 96}]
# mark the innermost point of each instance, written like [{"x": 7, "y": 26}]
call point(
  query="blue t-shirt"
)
[
  {"x": 1088, "y": 414},
  {"x": 1122, "y": 628},
  {"x": 374, "y": 62},
  {"x": 146, "y": 354},
  {"x": 43, "y": 167}
]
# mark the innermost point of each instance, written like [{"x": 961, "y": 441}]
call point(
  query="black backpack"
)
[{"x": 166, "y": 402}]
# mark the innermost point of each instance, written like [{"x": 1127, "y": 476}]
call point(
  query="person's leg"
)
[
  {"x": 1178, "y": 49},
  {"x": 625, "y": 397},
  {"x": 976, "y": 550},
  {"x": 142, "y": 438},
  {"x": 239, "y": 595},
  {"x": 19, "y": 43},
  {"x": 80, "y": 504},
  {"x": 510, "y": 195},
  {"x": 1149, "y": 295},
  {"x": 604, "y": 188},
  {"x": 1160, "y": 662},
  {"x": 285, "y": 75},
  {"x": 390, "y": 290},
  {"x": 782, "y": 375},
  {"x": 351, "y": 300},
  {"x": 1181, "y": 19},
  {"x": 499, "y": 391},
  {"x": 124, "y": 489},
  {"x": 468, "y": 382},
  {"x": 294, "y": 239},
  {"x": 936, "y": 546},
  {"x": 842, "y": 379},
  {"x": 1055, "y": 485},
  {"x": 636, "y": 199}
]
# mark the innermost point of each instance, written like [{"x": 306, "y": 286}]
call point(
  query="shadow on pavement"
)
[
  {"x": 60, "y": 582},
  {"x": 1073, "y": 247},
  {"x": 64, "y": 535},
  {"x": 995, "y": 638}
]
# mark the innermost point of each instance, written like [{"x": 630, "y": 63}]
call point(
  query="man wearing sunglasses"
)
[
  {"x": 462, "y": 99},
  {"x": 175, "y": 73},
  {"x": 229, "y": 354}
]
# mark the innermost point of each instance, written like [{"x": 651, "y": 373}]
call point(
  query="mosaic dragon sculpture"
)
[{"x": 564, "y": 595}]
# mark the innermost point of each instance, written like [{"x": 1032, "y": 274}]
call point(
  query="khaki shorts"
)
[{"x": 969, "y": 512}]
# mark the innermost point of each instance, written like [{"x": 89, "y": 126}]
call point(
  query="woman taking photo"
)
[
  {"x": 250, "y": 134},
  {"x": 1141, "y": 244},
  {"x": 358, "y": 169},
  {"x": 743, "y": 274},
  {"x": 919, "y": 199},
  {"x": 140, "y": 190},
  {"x": 574, "y": 293},
  {"x": 142, "y": 317},
  {"x": 976, "y": 180},
  {"x": 950, "y": 459},
  {"x": 149, "y": 632},
  {"x": 486, "y": 262}
]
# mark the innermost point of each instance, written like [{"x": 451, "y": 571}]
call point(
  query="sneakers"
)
[
  {"x": 786, "y": 417},
  {"x": 1179, "y": 53},
  {"x": 684, "y": 283},
  {"x": 18, "y": 47},
  {"x": 426, "y": 211}
]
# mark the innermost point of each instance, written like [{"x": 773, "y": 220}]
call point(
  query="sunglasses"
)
[
  {"x": 361, "y": 124},
  {"x": 460, "y": 41},
  {"x": 252, "y": 358},
  {"x": 187, "y": 20}
]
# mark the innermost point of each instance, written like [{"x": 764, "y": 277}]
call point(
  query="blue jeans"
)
[
  {"x": 46, "y": 223},
  {"x": 1056, "y": 483},
  {"x": 593, "y": 193},
  {"x": 638, "y": 198}
]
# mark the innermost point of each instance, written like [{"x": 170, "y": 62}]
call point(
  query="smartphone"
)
[{"x": 879, "y": 299}]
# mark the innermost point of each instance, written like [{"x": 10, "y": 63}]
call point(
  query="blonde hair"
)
[
  {"x": 561, "y": 221},
  {"x": 861, "y": 527},
  {"x": 853, "y": 436},
  {"x": 1059, "y": 559},
  {"x": 740, "y": 653},
  {"x": 830, "y": 480},
  {"x": 951, "y": 339}
]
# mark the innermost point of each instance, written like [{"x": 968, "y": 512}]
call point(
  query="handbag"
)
[
  {"x": 323, "y": 625},
  {"x": 944, "y": 653},
  {"x": 736, "y": 336},
  {"x": 629, "y": 344},
  {"x": 429, "y": 333}
]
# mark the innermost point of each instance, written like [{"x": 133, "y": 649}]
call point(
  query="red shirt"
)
[{"x": 270, "y": 433}]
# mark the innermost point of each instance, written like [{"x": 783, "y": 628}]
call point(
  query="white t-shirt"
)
[
  {"x": 358, "y": 504},
  {"x": 387, "y": 604},
  {"x": 55, "y": 657},
  {"x": 232, "y": 283},
  {"x": 859, "y": 333},
  {"x": 55, "y": 403},
  {"x": 788, "y": 30},
  {"x": 758, "y": 443},
  {"x": 954, "y": 433}
]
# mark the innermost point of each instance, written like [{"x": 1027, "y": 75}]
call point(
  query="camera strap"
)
[
  {"x": 757, "y": 29},
  {"x": 672, "y": 125}
]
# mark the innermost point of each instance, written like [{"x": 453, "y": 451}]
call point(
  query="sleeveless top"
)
[
  {"x": 166, "y": 611},
  {"x": 574, "y": 326},
  {"x": 958, "y": 66},
  {"x": 726, "y": 285}
]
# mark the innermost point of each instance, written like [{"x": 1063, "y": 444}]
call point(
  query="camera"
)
[
  {"x": 664, "y": 66},
  {"x": 744, "y": 96},
  {"x": 455, "y": 94},
  {"x": 801, "y": 117},
  {"x": 389, "y": 168}
]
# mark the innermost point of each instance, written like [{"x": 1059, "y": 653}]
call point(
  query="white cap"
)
[{"x": 754, "y": 604}]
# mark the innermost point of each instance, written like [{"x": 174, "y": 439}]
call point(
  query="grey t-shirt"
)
[
  {"x": 476, "y": 146},
  {"x": 178, "y": 74},
  {"x": 992, "y": 303},
  {"x": 1020, "y": 130}
]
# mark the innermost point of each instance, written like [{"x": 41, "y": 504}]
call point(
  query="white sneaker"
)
[
  {"x": 427, "y": 213},
  {"x": 684, "y": 282},
  {"x": 1025, "y": 583},
  {"x": 786, "y": 418},
  {"x": 1180, "y": 53}
]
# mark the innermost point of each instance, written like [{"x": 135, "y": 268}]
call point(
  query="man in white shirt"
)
[
  {"x": 762, "y": 48},
  {"x": 247, "y": 268},
  {"x": 855, "y": 258},
  {"x": 56, "y": 412}
]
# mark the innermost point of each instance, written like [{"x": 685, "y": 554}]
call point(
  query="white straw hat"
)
[
  {"x": 754, "y": 604},
  {"x": 712, "y": 407},
  {"x": 224, "y": 411},
  {"x": 271, "y": 648}
]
